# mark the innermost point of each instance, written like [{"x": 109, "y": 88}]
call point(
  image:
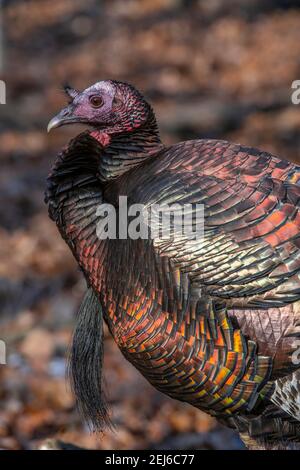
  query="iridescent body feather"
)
[{"x": 211, "y": 323}]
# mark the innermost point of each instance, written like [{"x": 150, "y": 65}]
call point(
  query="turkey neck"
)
[
  {"x": 96, "y": 158},
  {"x": 76, "y": 186},
  {"x": 128, "y": 150}
]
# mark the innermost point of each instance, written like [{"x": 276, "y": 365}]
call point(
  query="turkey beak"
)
[{"x": 62, "y": 118}]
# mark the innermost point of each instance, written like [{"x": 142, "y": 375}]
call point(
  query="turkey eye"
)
[{"x": 96, "y": 101}]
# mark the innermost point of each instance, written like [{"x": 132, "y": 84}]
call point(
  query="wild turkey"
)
[{"x": 213, "y": 322}]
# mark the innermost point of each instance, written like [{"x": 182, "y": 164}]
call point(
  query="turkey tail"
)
[
  {"x": 286, "y": 394},
  {"x": 86, "y": 360},
  {"x": 273, "y": 429}
]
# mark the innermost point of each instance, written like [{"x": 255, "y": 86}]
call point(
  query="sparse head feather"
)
[
  {"x": 110, "y": 107},
  {"x": 71, "y": 92},
  {"x": 124, "y": 96},
  {"x": 122, "y": 108}
]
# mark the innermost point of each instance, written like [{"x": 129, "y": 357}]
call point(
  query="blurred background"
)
[{"x": 218, "y": 69}]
